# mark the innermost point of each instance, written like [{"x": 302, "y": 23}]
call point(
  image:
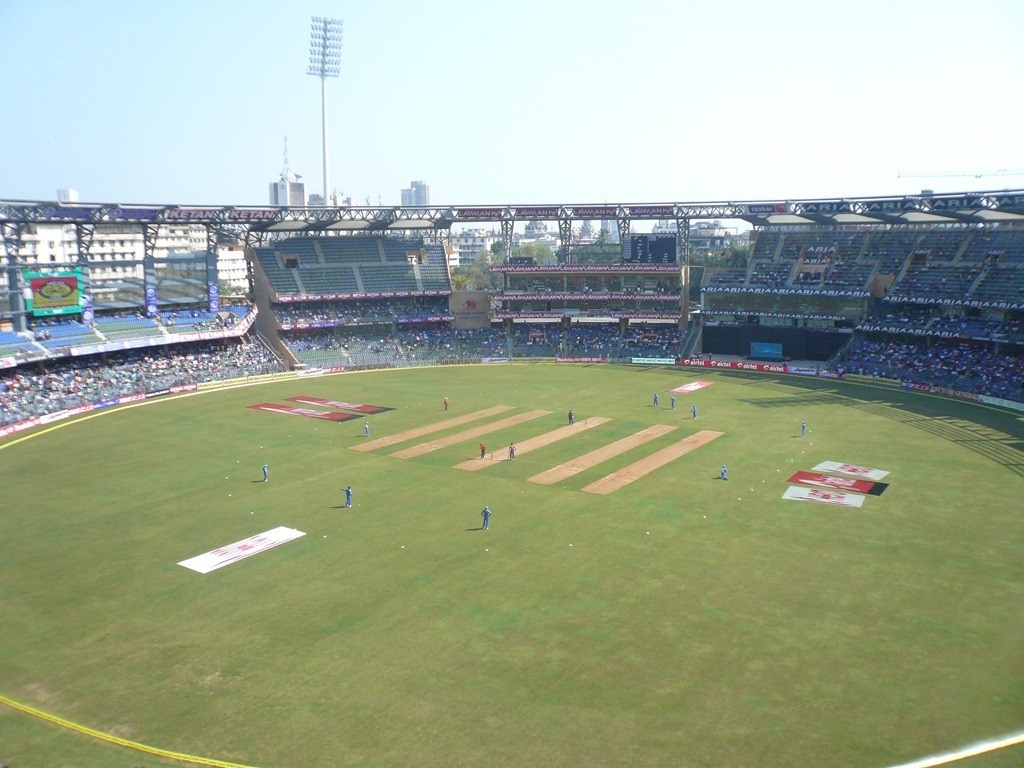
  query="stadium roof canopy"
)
[{"x": 963, "y": 207}]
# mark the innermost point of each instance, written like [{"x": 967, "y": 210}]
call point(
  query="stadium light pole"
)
[{"x": 324, "y": 62}]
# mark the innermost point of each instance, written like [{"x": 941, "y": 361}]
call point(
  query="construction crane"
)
[{"x": 962, "y": 174}]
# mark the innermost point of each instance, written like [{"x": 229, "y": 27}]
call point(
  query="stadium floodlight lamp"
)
[{"x": 324, "y": 62}]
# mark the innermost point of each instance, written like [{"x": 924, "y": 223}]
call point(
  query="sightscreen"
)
[{"x": 760, "y": 350}]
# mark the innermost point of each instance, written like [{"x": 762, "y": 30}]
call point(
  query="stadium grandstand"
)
[{"x": 927, "y": 290}]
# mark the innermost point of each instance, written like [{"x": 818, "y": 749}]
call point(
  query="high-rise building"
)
[
  {"x": 285, "y": 192},
  {"x": 418, "y": 193}
]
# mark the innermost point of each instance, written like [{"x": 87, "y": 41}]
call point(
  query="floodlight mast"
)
[{"x": 324, "y": 62}]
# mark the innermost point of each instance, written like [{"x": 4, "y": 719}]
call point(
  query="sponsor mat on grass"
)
[
  {"x": 693, "y": 386},
  {"x": 307, "y": 412},
  {"x": 821, "y": 496},
  {"x": 240, "y": 550},
  {"x": 360, "y": 407},
  {"x": 839, "y": 483},
  {"x": 869, "y": 473}
]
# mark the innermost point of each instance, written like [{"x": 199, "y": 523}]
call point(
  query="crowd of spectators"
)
[
  {"x": 592, "y": 341},
  {"x": 198, "y": 319},
  {"x": 318, "y": 339},
  {"x": 770, "y": 274},
  {"x": 482, "y": 342},
  {"x": 410, "y": 346},
  {"x": 427, "y": 344},
  {"x": 967, "y": 366},
  {"x": 590, "y": 284},
  {"x": 413, "y": 346},
  {"x": 652, "y": 341},
  {"x": 34, "y": 390},
  {"x": 536, "y": 340},
  {"x": 934, "y": 282},
  {"x": 373, "y": 310},
  {"x": 605, "y": 340},
  {"x": 925, "y": 319}
]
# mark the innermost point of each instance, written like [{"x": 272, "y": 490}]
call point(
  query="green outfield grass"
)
[{"x": 681, "y": 621}]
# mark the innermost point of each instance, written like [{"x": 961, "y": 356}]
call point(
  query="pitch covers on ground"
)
[{"x": 821, "y": 496}]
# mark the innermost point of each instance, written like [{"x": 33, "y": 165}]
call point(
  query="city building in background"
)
[
  {"x": 465, "y": 245},
  {"x": 288, "y": 189},
  {"x": 338, "y": 200},
  {"x": 537, "y": 233},
  {"x": 115, "y": 263},
  {"x": 418, "y": 193},
  {"x": 284, "y": 192},
  {"x": 611, "y": 230},
  {"x": 704, "y": 235}
]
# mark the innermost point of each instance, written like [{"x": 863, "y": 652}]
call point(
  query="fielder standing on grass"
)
[
  {"x": 348, "y": 496},
  {"x": 694, "y": 411},
  {"x": 446, "y": 403},
  {"x": 366, "y": 428},
  {"x": 572, "y": 417},
  {"x": 655, "y": 399},
  {"x": 803, "y": 429},
  {"x": 266, "y": 473},
  {"x": 485, "y": 513}
]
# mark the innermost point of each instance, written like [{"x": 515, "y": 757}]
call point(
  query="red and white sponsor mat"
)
[
  {"x": 360, "y": 407},
  {"x": 240, "y": 550},
  {"x": 693, "y": 386},
  {"x": 868, "y": 473},
  {"x": 839, "y": 483},
  {"x": 821, "y": 496},
  {"x": 307, "y": 412}
]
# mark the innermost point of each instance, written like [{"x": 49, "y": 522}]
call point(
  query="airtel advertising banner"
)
[{"x": 736, "y": 366}]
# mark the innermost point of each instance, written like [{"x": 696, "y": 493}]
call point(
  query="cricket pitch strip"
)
[
  {"x": 534, "y": 443},
  {"x": 638, "y": 469},
  {"x": 602, "y": 454},
  {"x": 469, "y": 434},
  {"x": 409, "y": 434}
]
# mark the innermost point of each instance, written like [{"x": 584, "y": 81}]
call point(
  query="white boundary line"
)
[
  {"x": 973, "y": 751},
  {"x": 228, "y": 384}
]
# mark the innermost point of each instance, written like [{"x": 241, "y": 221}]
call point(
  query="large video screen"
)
[{"x": 56, "y": 292}]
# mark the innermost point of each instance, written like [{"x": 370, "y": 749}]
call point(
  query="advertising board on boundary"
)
[{"x": 652, "y": 360}]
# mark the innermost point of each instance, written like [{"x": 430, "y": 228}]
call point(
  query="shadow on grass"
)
[{"x": 987, "y": 431}]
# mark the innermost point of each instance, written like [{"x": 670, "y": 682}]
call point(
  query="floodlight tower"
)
[{"x": 324, "y": 62}]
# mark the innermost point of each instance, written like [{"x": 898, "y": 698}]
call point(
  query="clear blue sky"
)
[{"x": 644, "y": 101}]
